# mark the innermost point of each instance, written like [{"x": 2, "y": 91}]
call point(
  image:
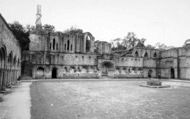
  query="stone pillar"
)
[
  {"x": 73, "y": 45},
  {"x": 91, "y": 45},
  {"x": 4, "y": 65},
  {"x": 81, "y": 45},
  {"x": 1, "y": 75},
  {"x": 3, "y": 80},
  {"x": 84, "y": 45}
]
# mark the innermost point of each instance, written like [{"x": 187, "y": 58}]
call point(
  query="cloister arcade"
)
[
  {"x": 9, "y": 68},
  {"x": 10, "y": 56}
]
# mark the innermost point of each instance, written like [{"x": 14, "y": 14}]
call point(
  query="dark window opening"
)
[
  {"x": 54, "y": 72},
  {"x": 54, "y": 44},
  {"x": 136, "y": 54},
  {"x": 172, "y": 73},
  {"x": 65, "y": 47},
  {"x": 146, "y": 54},
  {"x": 68, "y": 44},
  {"x": 155, "y": 55}
]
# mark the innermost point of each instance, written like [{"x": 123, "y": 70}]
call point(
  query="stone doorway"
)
[
  {"x": 40, "y": 72},
  {"x": 106, "y": 66},
  {"x": 54, "y": 72},
  {"x": 172, "y": 75},
  {"x": 150, "y": 73}
]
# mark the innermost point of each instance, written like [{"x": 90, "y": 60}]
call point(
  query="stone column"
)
[
  {"x": 1, "y": 75},
  {"x": 84, "y": 45},
  {"x": 73, "y": 45}
]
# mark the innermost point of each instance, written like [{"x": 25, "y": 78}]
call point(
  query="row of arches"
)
[
  {"x": 55, "y": 72},
  {"x": 146, "y": 55},
  {"x": 72, "y": 42},
  {"x": 9, "y": 68}
]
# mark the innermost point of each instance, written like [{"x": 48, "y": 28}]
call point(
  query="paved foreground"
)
[
  {"x": 108, "y": 100},
  {"x": 96, "y": 100},
  {"x": 16, "y": 105}
]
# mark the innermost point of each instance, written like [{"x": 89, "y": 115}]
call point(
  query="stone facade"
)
[
  {"x": 78, "y": 55},
  {"x": 175, "y": 63},
  {"x": 10, "y": 56},
  {"x": 137, "y": 63},
  {"x": 60, "y": 55}
]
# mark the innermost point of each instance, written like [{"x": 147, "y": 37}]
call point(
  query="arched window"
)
[
  {"x": 14, "y": 61},
  {"x": 155, "y": 55},
  {"x": 146, "y": 54},
  {"x": 54, "y": 44},
  {"x": 50, "y": 46},
  {"x": 65, "y": 47},
  {"x": 10, "y": 58},
  {"x": 40, "y": 68},
  {"x": 18, "y": 62},
  {"x": 68, "y": 44},
  {"x": 136, "y": 54}
]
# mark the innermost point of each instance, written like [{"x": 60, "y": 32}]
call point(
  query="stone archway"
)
[
  {"x": 40, "y": 72},
  {"x": 106, "y": 67},
  {"x": 150, "y": 73},
  {"x": 54, "y": 72},
  {"x": 172, "y": 73},
  {"x": 3, "y": 67},
  {"x": 26, "y": 68}
]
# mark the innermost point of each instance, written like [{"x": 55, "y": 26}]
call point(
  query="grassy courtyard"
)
[{"x": 108, "y": 100}]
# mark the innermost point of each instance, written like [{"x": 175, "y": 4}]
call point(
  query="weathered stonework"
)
[
  {"x": 76, "y": 54},
  {"x": 10, "y": 56},
  {"x": 175, "y": 63},
  {"x": 56, "y": 55}
]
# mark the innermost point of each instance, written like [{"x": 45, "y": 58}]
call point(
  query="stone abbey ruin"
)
[{"x": 77, "y": 54}]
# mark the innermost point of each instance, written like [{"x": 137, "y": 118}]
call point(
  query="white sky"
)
[{"x": 165, "y": 21}]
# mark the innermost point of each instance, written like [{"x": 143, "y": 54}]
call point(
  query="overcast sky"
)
[{"x": 165, "y": 21}]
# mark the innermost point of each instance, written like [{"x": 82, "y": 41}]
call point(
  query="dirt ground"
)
[
  {"x": 16, "y": 103},
  {"x": 108, "y": 100}
]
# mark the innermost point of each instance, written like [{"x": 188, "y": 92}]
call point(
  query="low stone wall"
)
[
  {"x": 79, "y": 75},
  {"x": 70, "y": 76},
  {"x": 127, "y": 76}
]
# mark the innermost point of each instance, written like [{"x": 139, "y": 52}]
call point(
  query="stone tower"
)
[{"x": 38, "y": 17}]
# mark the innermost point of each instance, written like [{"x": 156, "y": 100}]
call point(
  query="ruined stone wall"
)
[
  {"x": 184, "y": 62},
  {"x": 149, "y": 60},
  {"x": 128, "y": 67},
  {"x": 66, "y": 64},
  {"x": 103, "y": 47},
  {"x": 178, "y": 60},
  {"x": 129, "y": 62},
  {"x": 10, "y": 56},
  {"x": 149, "y": 64},
  {"x": 38, "y": 42},
  {"x": 54, "y": 43}
]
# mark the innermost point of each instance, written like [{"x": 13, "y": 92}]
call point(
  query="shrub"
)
[{"x": 154, "y": 82}]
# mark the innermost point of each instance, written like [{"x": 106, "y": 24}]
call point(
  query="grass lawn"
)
[{"x": 107, "y": 100}]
